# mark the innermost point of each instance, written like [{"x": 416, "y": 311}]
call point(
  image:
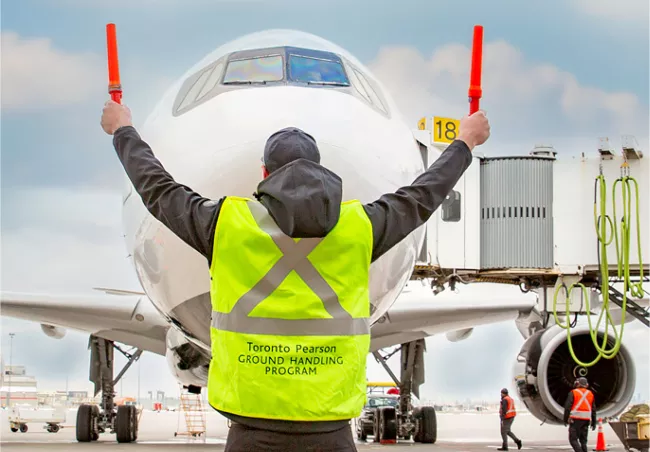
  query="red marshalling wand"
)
[
  {"x": 475, "y": 91},
  {"x": 114, "y": 86}
]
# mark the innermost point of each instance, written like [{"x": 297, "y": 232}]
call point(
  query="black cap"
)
[
  {"x": 287, "y": 145},
  {"x": 582, "y": 382}
]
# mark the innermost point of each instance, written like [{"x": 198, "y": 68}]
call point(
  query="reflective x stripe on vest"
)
[
  {"x": 582, "y": 402},
  {"x": 294, "y": 258},
  {"x": 290, "y": 317}
]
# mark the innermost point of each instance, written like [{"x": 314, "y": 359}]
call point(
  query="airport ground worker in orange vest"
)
[
  {"x": 298, "y": 232},
  {"x": 507, "y": 412},
  {"x": 579, "y": 412}
]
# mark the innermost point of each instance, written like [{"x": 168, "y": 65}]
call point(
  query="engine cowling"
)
[
  {"x": 187, "y": 362},
  {"x": 545, "y": 373},
  {"x": 53, "y": 331}
]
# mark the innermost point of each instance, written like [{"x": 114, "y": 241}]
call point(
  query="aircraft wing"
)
[
  {"x": 131, "y": 318},
  {"x": 418, "y": 313},
  {"x": 127, "y": 318}
]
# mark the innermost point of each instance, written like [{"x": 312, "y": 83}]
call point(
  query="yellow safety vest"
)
[{"x": 290, "y": 317}]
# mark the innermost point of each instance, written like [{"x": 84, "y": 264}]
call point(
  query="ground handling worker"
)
[
  {"x": 507, "y": 412},
  {"x": 579, "y": 412},
  {"x": 297, "y": 199}
]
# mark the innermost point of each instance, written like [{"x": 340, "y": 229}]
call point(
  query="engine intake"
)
[
  {"x": 545, "y": 373},
  {"x": 187, "y": 362},
  {"x": 53, "y": 331}
]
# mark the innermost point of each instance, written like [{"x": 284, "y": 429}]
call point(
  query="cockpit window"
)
[
  {"x": 278, "y": 66},
  {"x": 316, "y": 71},
  {"x": 358, "y": 86},
  {"x": 212, "y": 81},
  {"x": 371, "y": 92},
  {"x": 254, "y": 70},
  {"x": 194, "y": 90}
]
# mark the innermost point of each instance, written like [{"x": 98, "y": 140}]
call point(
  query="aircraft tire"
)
[
  {"x": 417, "y": 416},
  {"x": 126, "y": 427},
  {"x": 86, "y": 420},
  {"x": 388, "y": 424},
  {"x": 375, "y": 425},
  {"x": 429, "y": 425},
  {"x": 95, "y": 430}
]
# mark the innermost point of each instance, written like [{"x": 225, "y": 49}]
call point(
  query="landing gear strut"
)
[
  {"x": 91, "y": 420},
  {"x": 403, "y": 421}
]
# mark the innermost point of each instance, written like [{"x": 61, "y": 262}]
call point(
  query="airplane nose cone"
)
[
  {"x": 346, "y": 130},
  {"x": 256, "y": 113}
]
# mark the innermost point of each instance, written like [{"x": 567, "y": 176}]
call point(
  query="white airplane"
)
[{"x": 210, "y": 135}]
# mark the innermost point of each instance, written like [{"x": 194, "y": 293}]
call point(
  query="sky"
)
[{"x": 559, "y": 72}]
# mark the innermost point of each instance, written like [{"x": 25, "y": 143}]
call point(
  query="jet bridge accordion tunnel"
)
[{"x": 516, "y": 212}]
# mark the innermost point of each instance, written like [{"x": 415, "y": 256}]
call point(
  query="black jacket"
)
[{"x": 303, "y": 198}]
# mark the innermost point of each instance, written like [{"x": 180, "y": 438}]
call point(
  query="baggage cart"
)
[
  {"x": 19, "y": 417},
  {"x": 628, "y": 434}
]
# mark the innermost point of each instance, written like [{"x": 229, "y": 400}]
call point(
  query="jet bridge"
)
[{"x": 544, "y": 220}]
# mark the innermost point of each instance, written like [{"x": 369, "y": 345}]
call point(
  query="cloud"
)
[
  {"x": 66, "y": 241},
  {"x": 525, "y": 100},
  {"x": 74, "y": 237},
  {"x": 635, "y": 11},
  {"x": 36, "y": 76}
]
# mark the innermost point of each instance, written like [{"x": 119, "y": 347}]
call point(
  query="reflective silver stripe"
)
[
  {"x": 287, "y": 327},
  {"x": 294, "y": 258},
  {"x": 582, "y": 414}
]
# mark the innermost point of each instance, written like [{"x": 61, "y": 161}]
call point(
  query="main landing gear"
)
[
  {"x": 403, "y": 421},
  {"x": 93, "y": 420}
]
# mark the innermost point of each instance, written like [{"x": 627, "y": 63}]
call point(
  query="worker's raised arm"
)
[
  {"x": 187, "y": 214},
  {"x": 395, "y": 215}
]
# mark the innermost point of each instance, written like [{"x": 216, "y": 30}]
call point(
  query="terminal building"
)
[{"x": 16, "y": 387}]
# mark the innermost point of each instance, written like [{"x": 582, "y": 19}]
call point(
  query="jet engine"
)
[
  {"x": 545, "y": 372},
  {"x": 187, "y": 362},
  {"x": 53, "y": 331}
]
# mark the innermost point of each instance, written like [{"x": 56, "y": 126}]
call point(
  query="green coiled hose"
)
[{"x": 623, "y": 266}]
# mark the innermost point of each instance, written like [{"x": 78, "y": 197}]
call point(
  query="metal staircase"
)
[{"x": 192, "y": 409}]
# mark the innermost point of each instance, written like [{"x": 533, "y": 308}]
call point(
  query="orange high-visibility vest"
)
[
  {"x": 583, "y": 400},
  {"x": 510, "y": 411}
]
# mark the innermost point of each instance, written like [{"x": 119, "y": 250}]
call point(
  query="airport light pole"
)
[{"x": 11, "y": 344}]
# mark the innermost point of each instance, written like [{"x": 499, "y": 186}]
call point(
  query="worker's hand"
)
[
  {"x": 593, "y": 427},
  {"x": 474, "y": 129},
  {"x": 115, "y": 116}
]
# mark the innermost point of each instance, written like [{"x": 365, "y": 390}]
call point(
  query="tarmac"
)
[{"x": 458, "y": 432}]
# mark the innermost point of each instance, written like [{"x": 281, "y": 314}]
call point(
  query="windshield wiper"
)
[
  {"x": 244, "y": 82},
  {"x": 327, "y": 83}
]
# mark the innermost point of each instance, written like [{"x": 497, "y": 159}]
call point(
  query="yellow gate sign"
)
[{"x": 445, "y": 130}]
